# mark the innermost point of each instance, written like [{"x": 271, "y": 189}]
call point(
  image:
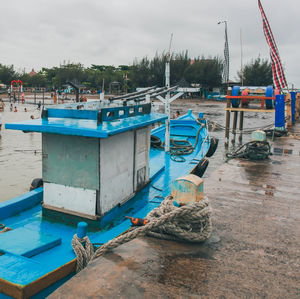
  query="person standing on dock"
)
[
  {"x": 1, "y": 105},
  {"x": 23, "y": 98},
  {"x": 245, "y": 102},
  {"x": 0, "y": 121}
]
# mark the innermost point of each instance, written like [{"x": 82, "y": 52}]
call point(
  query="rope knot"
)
[
  {"x": 188, "y": 223},
  {"x": 84, "y": 251}
]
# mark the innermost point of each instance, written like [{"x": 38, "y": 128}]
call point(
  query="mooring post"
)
[
  {"x": 43, "y": 96},
  {"x": 279, "y": 112},
  {"x": 293, "y": 105},
  {"x": 81, "y": 229},
  {"x": 227, "y": 121},
  {"x": 241, "y": 125},
  {"x": 234, "y": 126}
]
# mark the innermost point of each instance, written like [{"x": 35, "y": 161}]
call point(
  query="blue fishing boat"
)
[{"x": 101, "y": 161}]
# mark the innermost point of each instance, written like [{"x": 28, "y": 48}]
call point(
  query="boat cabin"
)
[{"x": 95, "y": 156}]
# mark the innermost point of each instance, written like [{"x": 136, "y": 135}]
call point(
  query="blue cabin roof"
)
[{"x": 90, "y": 119}]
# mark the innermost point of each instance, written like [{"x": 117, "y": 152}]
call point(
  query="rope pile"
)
[
  {"x": 178, "y": 148},
  {"x": 189, "y": 223},
  {"x": 253, "y": 150},
  {"x": 276, "y": 133}
]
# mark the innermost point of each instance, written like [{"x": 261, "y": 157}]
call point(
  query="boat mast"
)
[{"x": 167, "y": 101}]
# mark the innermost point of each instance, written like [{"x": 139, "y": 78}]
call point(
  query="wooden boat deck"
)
[{"x": 252, "y": 253}]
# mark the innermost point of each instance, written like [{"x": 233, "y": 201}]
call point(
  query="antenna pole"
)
[{"x": 167, "y": 99}]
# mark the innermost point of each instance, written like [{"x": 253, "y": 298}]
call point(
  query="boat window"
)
[{"x": 110, "y": 114}]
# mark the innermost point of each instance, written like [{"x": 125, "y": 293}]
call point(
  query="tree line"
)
[{"x": 203, "y": 71}]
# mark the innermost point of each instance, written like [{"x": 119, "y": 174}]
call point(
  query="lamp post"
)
[{"x": 226, "y": 55}]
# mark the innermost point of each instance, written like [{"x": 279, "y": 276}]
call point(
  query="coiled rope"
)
[
  {"x": 253, "y": 150},
  {"x": 189, "y": 223},
  {"x": 178, "y": 148}
]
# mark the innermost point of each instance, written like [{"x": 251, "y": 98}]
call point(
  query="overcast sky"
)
[{"x": 36, "y": 33}]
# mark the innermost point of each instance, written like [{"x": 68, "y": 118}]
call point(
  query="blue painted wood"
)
[
  {"x": 293, "y": 105},
  {"x": 70, "y": 113},
  {"x": 269, "y": 93},
  {"x": 86, "y": 127},
  {"x": 81, "y": 229},
  {"x": 235, "y": 92},
  {"x": 279, "y": 112},
  {"x": 18, "y": 269},
  {"x": 16, "y": 205},
  {"x": 25, "y": 242}
]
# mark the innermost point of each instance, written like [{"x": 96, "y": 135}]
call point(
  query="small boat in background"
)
[{"x": 101, "y": 162}]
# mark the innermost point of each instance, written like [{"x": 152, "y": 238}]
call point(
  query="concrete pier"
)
[{"x": 252, "y": 253}]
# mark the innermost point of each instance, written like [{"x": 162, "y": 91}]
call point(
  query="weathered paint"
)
[
  {"x": 116, "y": 173},
  {"x": 71, "y": 160},
  {"x": 141, "y": 164},
  {"x": 187, "y": 189},
  {"x": 75, "y": 199}
]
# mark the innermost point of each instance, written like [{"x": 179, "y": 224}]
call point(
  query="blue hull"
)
[{"x": 37, "y": 251}]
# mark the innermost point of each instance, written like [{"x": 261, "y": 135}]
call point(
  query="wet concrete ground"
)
[{"x": 252, "y": 253}]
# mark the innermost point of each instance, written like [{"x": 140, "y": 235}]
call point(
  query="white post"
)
[
  {"x": 102, "y": 96},
  {"x": 148, "y": 98},
  {"x": 167, "y": 107},
  {"x": 167, "y": 122},
  {"x": 167, "y": 73}
]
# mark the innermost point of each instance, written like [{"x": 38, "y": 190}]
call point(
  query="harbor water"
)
[{"x": 21, "y": 156}]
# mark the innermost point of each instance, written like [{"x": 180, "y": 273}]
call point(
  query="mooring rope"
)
[
  {"x": 188, "y": 223},
  {"x": 83, "y": 249},
  {"x": 253, "y": 150},
  {"x": 178, "y": 148},
  {"x": 214, "y": 125}
]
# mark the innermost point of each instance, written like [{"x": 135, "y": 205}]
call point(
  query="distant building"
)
[{"x": 32, "y": 73}]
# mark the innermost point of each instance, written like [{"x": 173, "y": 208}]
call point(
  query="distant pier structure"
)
[{"x": 285, "y": 106}]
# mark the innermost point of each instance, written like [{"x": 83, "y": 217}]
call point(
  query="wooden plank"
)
[
  {"x": 48, "y": 279},
  {"x": 249, "y": 109},
  {"x": 10, "y": 289},
  {"x": 21, "y": 292},
  {"x": 250, "y": 97}
]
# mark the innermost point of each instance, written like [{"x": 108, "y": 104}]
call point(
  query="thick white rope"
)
[
  {"x": 83, "y": 249},
  {"x": 189, "y": 223}
]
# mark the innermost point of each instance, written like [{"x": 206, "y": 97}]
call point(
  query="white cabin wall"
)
[
  {"x": 142, "y": 148},
  {"x": 71, "y": 198},
  {"x": 116, "y": 170}
]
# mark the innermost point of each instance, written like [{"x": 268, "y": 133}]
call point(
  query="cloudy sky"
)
[{"x": 36, "y": 33}]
